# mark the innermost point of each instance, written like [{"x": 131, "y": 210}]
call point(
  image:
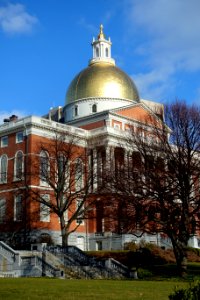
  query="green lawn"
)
[{"x": 50, "y": 289}]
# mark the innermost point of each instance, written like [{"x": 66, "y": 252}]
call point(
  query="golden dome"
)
[{"x": 102, "y": 80}]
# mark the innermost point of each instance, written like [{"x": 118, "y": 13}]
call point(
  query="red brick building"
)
[{"x": 102, "y": 103}]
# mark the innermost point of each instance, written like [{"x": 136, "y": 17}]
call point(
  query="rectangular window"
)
[
  {"x": 45, "y": 209},
  {"x": 78, "y": 175},
  {"x": 18, "y": 208},
  {"x": 2, "y": 210},
  {"x": 3, "y": 168},
  {"x": 65, "y": 217},
  {"x": 19, "y": 137},
  {"x": 44, "y": 169},
  {"x": 4, "y": 141},
  {"x": 80, "y": 214},
  {"x": 117, "y": 126}
]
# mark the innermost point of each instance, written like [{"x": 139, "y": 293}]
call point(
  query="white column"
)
[
  {"x": 90, "y": 171},
  {"x": 110, "y": 158},
  {"x": 126, "y": 159},
  {"x": 99, "y": 167},
  {"x": 95, "y": 169}
]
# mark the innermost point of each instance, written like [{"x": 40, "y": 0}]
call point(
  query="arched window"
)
[
  {"x": 44, "y": 166},
  {"x": 94, "y": 108},
  {"x": 106, "y": 52},
  {"x": 63, "y": 171},
  {"x": 3, "y": 168},
  {"x": 76, "y": 110},
  {"x": 44, "y": 208},
  {"x": 80, "y": 211},
  {"x": 97, "y": 52},
  {"x": 78, "y": 174},
  {"x": 19, "y": 165},
  {"x": 61, "y": 165}
]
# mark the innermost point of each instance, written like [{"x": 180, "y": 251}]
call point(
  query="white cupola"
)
[{"x": 101, "y": 49}]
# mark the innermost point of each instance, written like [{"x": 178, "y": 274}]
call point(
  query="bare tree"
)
[
  {"x": 160, "y": 183},
  {"x": 64, "y": 181}
]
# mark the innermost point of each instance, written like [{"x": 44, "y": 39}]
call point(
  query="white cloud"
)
[
  {"x": 14, "y": 19},
  {"x": 170, "y": 38},
  {"x": 7, "y": 114},
  {"x": 153, "y": 85}
]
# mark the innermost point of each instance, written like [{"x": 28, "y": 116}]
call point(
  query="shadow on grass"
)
[{"x": 169, "y": 272}]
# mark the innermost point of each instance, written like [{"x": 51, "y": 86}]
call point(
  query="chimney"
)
[{"x": 13, "y": 118}]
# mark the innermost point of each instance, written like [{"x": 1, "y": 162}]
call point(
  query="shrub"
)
[
  {"x": 192, "y": 293},
  {"x": 144, "y": 274},
  {"x": 193, "y": 254}
]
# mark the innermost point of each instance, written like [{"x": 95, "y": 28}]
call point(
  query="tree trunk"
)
[
  {"x": 181, "y": 257},
  {"x": 64, "y": 233}
]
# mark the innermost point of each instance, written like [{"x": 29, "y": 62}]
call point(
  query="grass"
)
[{"x": 43, "y": 289}]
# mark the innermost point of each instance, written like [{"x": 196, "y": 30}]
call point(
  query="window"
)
[
  {"x": 99, "y": 245},
  {"x": 78, "y": 175},
  {"x": 97, "y": 52},
  {"x": 44, "y": 167},
  {"x": 94, "y": 108},
  {"x": 2, "y": 210},
  {"x": 63, "y": 172},
  {"x": 66, "y": 216},
  {"x": 79, "y": 209},
  {"x": 19, "y": 165},
  {"x": 76, "y": 110},
  {"x": 116, "y": 126},
  {"x": 19, "y": 137},
  {"x": 106, "y": 52},
  {"x": 3, "y": 168},
  {"x": 44, "y": 208},
  {"x": 4, "y": 141},
  {"x": 18, "y": 208}
]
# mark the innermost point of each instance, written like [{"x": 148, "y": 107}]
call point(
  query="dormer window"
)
[{"x": 94, "y": 108}]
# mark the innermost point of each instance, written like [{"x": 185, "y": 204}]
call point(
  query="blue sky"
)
[{"x": 45, "y": 43}]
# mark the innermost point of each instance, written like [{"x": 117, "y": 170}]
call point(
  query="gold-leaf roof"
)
[{"x": 102, "y": 80}]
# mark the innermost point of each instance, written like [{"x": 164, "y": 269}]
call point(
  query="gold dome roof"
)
[{"x": 102, "y": 80}]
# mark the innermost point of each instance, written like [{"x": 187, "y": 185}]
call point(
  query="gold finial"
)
[{"x": 101, "y": 34}]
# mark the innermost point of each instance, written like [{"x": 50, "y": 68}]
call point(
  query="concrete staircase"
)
[
  {"x": 25, "y": 263},
  {"x": 77, "y": 263},
  {"x": 59, "y": 262}
]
